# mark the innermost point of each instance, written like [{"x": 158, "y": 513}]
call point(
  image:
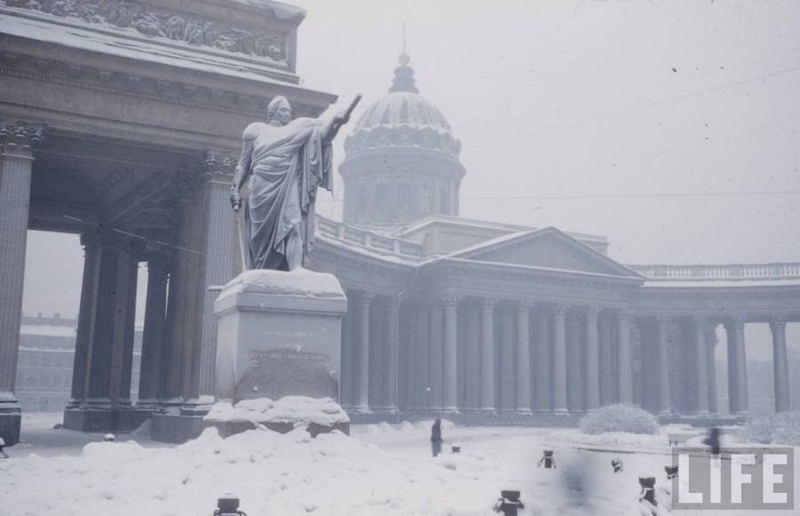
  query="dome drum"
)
[{"x": 401, "y": 159}]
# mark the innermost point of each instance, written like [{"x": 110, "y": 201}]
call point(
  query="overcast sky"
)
[{"x": 597, "y": 116}]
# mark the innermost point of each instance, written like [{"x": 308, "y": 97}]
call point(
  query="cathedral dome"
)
[{"x": 403, "y": 118}]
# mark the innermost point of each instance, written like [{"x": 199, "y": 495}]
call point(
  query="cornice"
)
[{"x": 138, "y": 87}]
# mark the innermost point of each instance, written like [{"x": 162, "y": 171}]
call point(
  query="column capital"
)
[
  {"x": 777, "y": 323},
  {"x": 662, "y": 319},
  {"x": 700, "y": 320},
  {"x": 365, "y": 298},
  {"x": 525, "y": 304},
  {"x": 593, "y": 312},
  {"x": 561, "y": 309},
  {"x": 450, "y": 300},
  {"x": 18, "y": 137},
  {"x": 737, "y": 321},
  {"x": 488, "y": 303},
  {"x": 218, "y": 165}
]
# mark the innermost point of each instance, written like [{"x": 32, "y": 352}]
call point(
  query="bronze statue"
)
[{"x": 285, "y": 161}]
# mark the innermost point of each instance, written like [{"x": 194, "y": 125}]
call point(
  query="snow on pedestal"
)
[{"x": 318, "y": 415}]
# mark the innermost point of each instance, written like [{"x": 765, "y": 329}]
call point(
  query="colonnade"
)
[
  {"x": 179, "y": 338},
  {"x": 462, "y": 354},
  {"x": 457, "y": 353}
]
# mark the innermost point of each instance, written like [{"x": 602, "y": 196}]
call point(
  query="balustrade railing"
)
[
  {"x": 755, "y": 271},
  {"x": 368, "y": 240}
]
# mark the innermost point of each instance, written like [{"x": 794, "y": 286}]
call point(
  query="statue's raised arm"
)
[{"x": 283, "y": 162}]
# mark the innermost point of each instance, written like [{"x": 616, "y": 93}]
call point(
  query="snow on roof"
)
[
  {"x": 389, "y": 258},
  {"x": 723, "y": 283},
  {"x": 47, "y": 330},
  {"x": 484, "y": 224}
]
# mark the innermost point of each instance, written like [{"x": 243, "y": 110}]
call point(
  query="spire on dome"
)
[{"x": 404, "y": 74}]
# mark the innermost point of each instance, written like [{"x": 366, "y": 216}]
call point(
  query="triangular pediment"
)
[{"x": 547, "y": 248}]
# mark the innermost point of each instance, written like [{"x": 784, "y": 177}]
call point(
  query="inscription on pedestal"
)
[{"x": 275, "y": 373}]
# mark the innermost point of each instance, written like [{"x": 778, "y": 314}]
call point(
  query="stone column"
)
[
  {"x": 150, "y": 388},
  {"x": 121, "y": 325},
  {"x": 740, "y": 357},
  {"x": 348, "y": 356},
  {"x": 731, "y": 338},
  {"x": 543, "y": 360},
  {"x": 435, "y": 379},
  {"x": 701, "y": 396},
  {"x": 624, "y": 359},
  {"x": 662, "y": 324},
  {"x": 472, "y": 374},
  {"x": 362, "y": 385},
  {"x": 450, "y": 387},
  {"x": 574, "y": 372},
  {"x": 128, "y": 321},
  {"x": 216, "y": 268},
  {"x": 390, "y": 362},
  {"x": 592, "y": 359},
  {"x": 423, "y": 358},
  {"x": 86, "y": 317},
  {"x": 487, "y": 355},
  {"x": 17, "y": 139},
  {"x": 606, "y": 360},
  {"x": 506, "y": 347},
  {"x": 780, "y": 364},
  {"x": 711, "y": 367},
  {"x": 180, "y": 303},
  {"x": 560, "y": 360},
  {"x": 100, "y": 364},
  {"x": 523, "y": 360}
]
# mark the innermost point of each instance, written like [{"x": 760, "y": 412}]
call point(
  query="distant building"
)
[{"x": 46, "y": 359}]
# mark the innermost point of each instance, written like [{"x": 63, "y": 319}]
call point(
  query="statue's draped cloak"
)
[{"x": 287, "y": 165}]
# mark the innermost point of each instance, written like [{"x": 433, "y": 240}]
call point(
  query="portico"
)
[{"x": 128, "y": 138}]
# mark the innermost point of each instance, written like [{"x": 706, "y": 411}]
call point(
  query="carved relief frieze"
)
[{"x": 159, "y": 23}]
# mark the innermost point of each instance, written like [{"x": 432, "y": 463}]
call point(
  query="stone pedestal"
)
[{"x": 279, "y": 334}]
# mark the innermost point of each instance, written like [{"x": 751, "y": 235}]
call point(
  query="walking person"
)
[{"x": 436, "y": 437}]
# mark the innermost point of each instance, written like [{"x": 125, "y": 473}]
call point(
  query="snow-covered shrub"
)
[
  {"x": 619, "y": 418},
  {"x": 782, "y": 428}
]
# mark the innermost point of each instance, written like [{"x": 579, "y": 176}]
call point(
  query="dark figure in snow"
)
[
  {"x": 3, "y": 455},
  {"x": 672, "y": 472},
  {"x": 436, "y": 437},
  {"x": 509, "y": 504},
  {"x": 648, "y": 491},
  {"x": 617, "y": 465},
  {"x": 713, "y": 441},
  {"x": 548, "y": 460}
]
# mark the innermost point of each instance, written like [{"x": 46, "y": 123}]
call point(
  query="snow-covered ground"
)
[{"x": 380, "y": 469}]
